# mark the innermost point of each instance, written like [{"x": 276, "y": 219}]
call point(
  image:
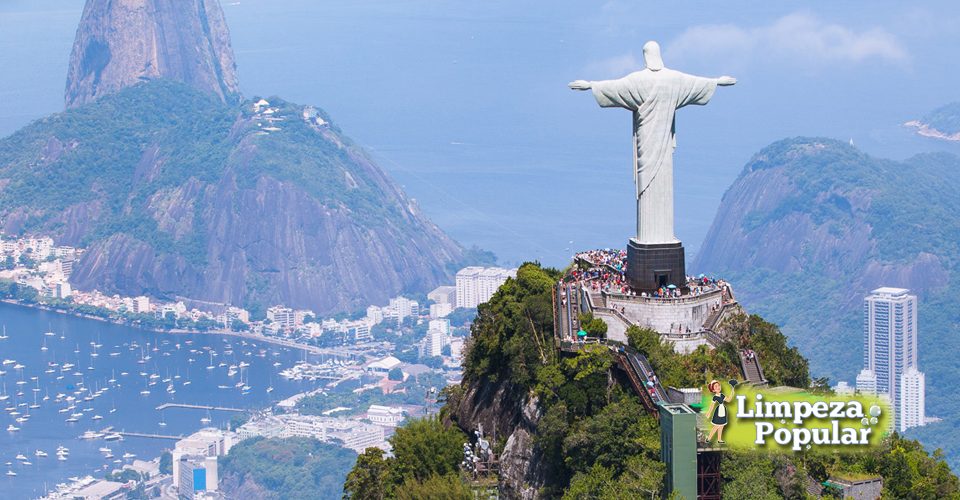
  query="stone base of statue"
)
[{"x": 654, "y": 265}]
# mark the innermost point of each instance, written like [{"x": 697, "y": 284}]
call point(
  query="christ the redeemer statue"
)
[{"x": 654, "y": 94}]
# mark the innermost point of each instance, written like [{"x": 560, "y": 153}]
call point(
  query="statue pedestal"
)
[{"x": 653, "y": 265}]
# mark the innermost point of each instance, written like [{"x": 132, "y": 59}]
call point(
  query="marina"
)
[{"x": 101, "y": 394}]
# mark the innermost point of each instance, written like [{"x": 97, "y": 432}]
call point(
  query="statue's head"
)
[{"x": 651, "y": 56}]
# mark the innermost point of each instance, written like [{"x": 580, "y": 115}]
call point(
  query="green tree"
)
[
  {"x": 395, "y": 374},
  {"x": 426, "y": 447},
  {"x": 296, "y": 468},
  {"x": 595, "y": 327},
  {"x": 435, "y": 487},
  {"x": 596, "y": 483},
  {"x": 166, "y": 463},
  {"x": 749, "y": 475},
  {"x": 642, "y": 476},
  {"x": 619, "y": 431},
  {"x": 512, "y": 334},
  {"x": 370, "y": 477}
]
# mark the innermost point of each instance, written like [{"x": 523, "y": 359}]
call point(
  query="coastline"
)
[
  {"x": 927, "y": 131},
  {"x": 246, "y": 336}
]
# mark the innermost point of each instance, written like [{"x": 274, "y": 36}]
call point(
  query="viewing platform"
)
[{"x": 687, "y": 315}]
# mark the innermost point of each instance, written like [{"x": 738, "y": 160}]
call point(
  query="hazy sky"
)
[{"x": 466, "y": 105}]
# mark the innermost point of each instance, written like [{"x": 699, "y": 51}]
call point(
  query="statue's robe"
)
[{"x": 654, "y": 97}]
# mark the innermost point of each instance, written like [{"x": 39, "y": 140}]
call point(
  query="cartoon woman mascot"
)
[{"x": 717, "y": 411}]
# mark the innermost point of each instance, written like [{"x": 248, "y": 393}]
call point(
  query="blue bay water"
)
[{"x": 47, "y": 429}]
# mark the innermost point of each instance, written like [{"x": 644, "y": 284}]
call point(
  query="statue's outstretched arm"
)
[{"x": 725, "y": 81}]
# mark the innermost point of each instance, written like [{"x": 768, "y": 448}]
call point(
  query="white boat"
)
[
  {"x": 205, "y": 420},
  {"x": 21, "y": 457},
  {"x": 12, "y": 428},
  {"x": 26, "y": 462},
  {"x": 112, "y": 437},
  {"x": 128, "y": 455},
  {"x": 40, "y": 453},
  {"x": 73, "y": 419},
  {"x": 104, "y": 449},
  {"x": 11, "y": 473},
  {"x": 9, "y": 361},
  {"x": 96, "y": 417},
  {"x": 62, "y": 458},
  {"x": 269, "y": 389},
  {"x": 145, "y": 392}
]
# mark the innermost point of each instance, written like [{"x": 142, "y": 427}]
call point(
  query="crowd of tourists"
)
[
  {"x": 616, "y": 259},
  {"x": 606, "y": 272}
]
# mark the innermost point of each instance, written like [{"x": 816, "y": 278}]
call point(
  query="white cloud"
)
[{"x": 795, "y": 38}]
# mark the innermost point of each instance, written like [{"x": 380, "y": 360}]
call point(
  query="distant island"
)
[{"x": 941, "y": 123}]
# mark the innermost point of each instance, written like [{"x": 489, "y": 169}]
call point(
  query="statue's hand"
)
[
  {"x": 579, "y": 85},
  {"x": 726, "y": 80}
]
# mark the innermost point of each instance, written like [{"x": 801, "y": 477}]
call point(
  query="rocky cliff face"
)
[
  {"x": 812, "y": 225},
  {"x": 178, "y": 195},
  {"x": 124, "y": 42},
  {"x": 505, "y": 415},
  {"x": 179, "y": 190}
]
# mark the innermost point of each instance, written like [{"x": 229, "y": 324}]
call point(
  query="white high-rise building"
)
[
  {"x": 890, "y": 344},
  {"x": 444, "y": 295},
  {"x": 440, "y": 310},
  {"x": 433, "y": 343},
  {"x": 912, "y": 399},
  {"x": 475, "y": 285},
  {"x": 440, "y": 324},
  {"x": 404, "y": 308},
  {"x": 843, "y": 388},
  {"x": 283, "y": 317},
  {"x": 467, "y": 279},
  {"x": 867, "y": 382},
  {"x": 141, "y": 305},
  {"x": 375, "y": 315}
]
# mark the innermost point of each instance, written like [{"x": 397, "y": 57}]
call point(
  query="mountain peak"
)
[
  {"x": 821, "y": 151},
  {"x": 121, "y": 43}
]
